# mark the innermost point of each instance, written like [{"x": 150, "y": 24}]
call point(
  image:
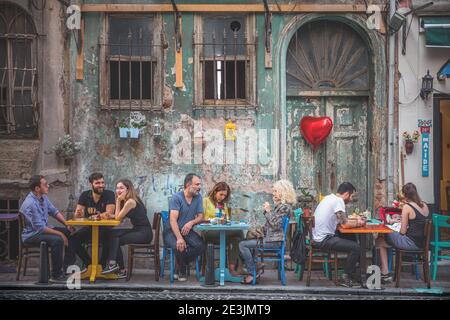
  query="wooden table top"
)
[
  {"x": 87, "y": 222},
  {"x": 380, "y": 228}
]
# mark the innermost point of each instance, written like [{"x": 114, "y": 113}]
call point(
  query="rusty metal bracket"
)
[
  {"x": 267, "y": 35},
  {"x": 178, "y": 42}
]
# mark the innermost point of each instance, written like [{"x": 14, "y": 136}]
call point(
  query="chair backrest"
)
[
  {"x": 21, "y": 227},
  {"x": 427, "y": 233},
  {"x": 285, "y": 228},
  {"x": 385, "y": 211},
  {"x": 440, "y": 221},
  {"x": 156, "y": 227},
  {"x": 309, "y": 225}
]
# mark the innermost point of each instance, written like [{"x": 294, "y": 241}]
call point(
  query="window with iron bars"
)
[
  {"x": 225, "y": 59},
  {"x": 18, "y": 73},
  {"x": 131, "y": 72}
]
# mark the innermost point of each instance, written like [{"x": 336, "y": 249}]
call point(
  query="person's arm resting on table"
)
[{"x": 348, "y": 223}]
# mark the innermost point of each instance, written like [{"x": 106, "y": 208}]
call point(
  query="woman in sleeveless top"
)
[
  {"x": 411, "y": 235},
  {"x": 128, "y": 204}
]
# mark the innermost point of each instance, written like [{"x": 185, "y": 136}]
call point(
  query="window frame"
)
[
  {"x": 34, "y": 68},
  {"x": 154, "y": 104},
  {"x": 250, "y": 101}
]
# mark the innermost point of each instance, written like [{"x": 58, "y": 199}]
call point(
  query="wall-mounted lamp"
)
[
  {"x": 427, "y": 85},
  {"x": 156, "y": 128},
  {"x": 230, "y": 131}
]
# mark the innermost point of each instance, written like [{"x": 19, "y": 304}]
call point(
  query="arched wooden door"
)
[{"x": 327, "y": 74}]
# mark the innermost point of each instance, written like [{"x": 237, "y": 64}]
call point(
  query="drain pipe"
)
[{"x": 391, "y": 72}]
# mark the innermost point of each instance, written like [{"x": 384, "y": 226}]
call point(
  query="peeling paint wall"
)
[{"x": 148, "y": 161}]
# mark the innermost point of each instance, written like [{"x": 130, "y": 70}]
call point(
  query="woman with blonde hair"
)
[
  {"x": 283, "y": 195},
  {"x": 128, "y": 204}
]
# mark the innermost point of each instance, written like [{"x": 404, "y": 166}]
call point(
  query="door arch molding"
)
[{"x": 377, "y": 95}]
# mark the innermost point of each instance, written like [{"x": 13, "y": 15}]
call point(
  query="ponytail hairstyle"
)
[{"x": 410, "y": 192}]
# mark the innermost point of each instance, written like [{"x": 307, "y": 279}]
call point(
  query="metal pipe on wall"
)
[{"x": 391, "y": 73}]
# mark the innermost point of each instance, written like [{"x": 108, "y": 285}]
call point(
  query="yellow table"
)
[{"x": 94, "y": 270}]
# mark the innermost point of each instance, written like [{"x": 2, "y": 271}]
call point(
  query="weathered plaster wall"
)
[
  {"x": 20, "y": 159},
  {"x": 412, "y": 67},
  {"x": 148, "y": 161}
]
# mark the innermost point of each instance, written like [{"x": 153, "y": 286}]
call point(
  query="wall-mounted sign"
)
[{"x": 425, "y": 130}]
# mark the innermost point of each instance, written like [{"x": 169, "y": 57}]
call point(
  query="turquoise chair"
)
[{"x": 439, "y": 221}]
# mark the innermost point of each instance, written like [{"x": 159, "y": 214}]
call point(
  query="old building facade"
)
[{"x": 190, "y": 68}]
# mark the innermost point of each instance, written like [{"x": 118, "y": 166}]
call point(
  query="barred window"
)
[
  {"x": 225, "y": 61},
  {"x": 132, "y": 50},
  {"x": 18, "y": 73}
]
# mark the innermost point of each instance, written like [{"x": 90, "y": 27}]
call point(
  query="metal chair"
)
[
  {"x": 146, "y": 250},
  {"x": 439, "y": 221},
  {"x": 165, "y": 222},
  {"x": 422, "y": 255},
  {"x": 274, "y": 254}
]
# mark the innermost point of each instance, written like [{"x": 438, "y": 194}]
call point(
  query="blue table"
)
[{"x": 222, "y": 273}]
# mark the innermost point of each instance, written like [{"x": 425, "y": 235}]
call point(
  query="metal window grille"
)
[
  {"x": 133, "y": 66},
  {"x": 18, "y": 73},
  {"x": 225, "y": 64},
  {"x": 8, "y": 206}
]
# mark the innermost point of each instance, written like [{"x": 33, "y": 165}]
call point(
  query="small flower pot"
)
[
  {"x": 134, "y": 133},
  {"x": 123, "y": 132},
  {"x": 409, "y": 146}
]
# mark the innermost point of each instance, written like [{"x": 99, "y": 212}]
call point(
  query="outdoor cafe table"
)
[
  {"x": 94, "y": 270},
  {"x": 222, "y": 273},
  {"x": 363, "y": 232}
]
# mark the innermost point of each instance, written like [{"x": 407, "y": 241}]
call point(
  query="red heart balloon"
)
[{"x": 315, "y": 129}]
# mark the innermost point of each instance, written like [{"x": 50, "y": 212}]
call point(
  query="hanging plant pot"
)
[
  {"x": 134, "y": 133},
  {"x": 123, "y": 132},
  {"x": 409, "y": 146}
]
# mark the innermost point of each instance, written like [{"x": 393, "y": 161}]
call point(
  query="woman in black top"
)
[
  {"x": 411, "y": 235},
  {"x": 128, "y": 204}
]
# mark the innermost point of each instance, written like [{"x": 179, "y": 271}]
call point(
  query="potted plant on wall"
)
[
  {"x": 133, "y": 124},
  {"x": 66, "y": 148},
  {"x": 410, "y": 139}
]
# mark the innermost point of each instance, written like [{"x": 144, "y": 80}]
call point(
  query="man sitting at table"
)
[
  {"x": 97, "y": 201},
  {"x": 328, "y": 215},
  {"x": 35, "y": 210},
  {"x": 186, "y": 210}
]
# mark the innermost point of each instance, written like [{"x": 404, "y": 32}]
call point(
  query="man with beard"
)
[
  {"x": 186, "y": 210},
  {"x": 328, "y": 215},
  {"x": 95, "y": 203}
]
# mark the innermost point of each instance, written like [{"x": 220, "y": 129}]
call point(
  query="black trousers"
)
[
  {"x": 194, "y": 247},
  {"x": 84, "y": 236},
  {"x": 56, "y": 243},
  {"x": 120, "y": 237},
  {"x": 338, "y": 244}
]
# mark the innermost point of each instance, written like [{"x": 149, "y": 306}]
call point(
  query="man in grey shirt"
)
[{"x": 186, "y": 210}]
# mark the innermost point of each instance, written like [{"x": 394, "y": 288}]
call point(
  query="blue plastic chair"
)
[
  {"x": 165, "y": 220},
  {"x": 278, "y": 254},
  {"x": 439, "y": 221}
]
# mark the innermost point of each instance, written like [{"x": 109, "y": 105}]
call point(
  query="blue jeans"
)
[
  {"x": 246, "y": 248},
  {"x": 56, "y": 244}
]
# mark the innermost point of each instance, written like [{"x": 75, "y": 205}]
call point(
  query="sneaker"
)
[
  {"x": 347, "y": 282},
  {"x": 182, "y": 274},
  {"x": 111, "y": 268},
  {"x": 122, "y": 274},
  {"x": 386, "y": 278},
  {"x": 58, "y": 279},
  {"x": 175, "y": 276}
]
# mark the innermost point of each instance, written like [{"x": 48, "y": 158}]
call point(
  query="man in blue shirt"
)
[
  {"x": 186, "y": 210},
  {"x": 35, "y": 209}
]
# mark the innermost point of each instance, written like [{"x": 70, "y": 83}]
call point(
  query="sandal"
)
[{"x": 244, "y": 281}]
